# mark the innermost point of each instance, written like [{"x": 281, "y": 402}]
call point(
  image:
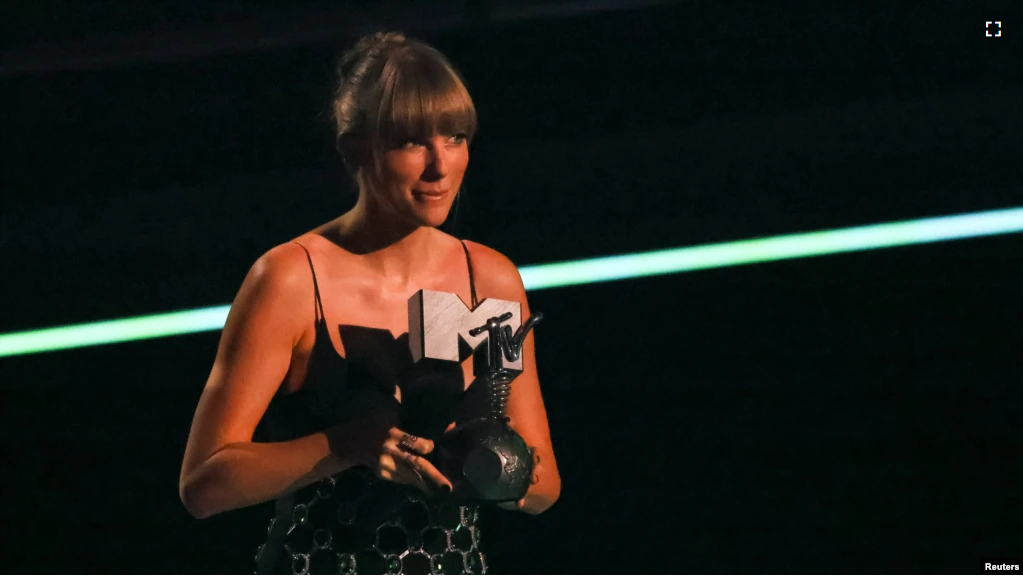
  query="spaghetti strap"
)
[
  {"x": 472, "y": 279},
  {"x": 316, "y": 287}
]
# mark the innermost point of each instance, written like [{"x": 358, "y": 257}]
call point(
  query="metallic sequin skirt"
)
[{"x": 355, "y": 523}]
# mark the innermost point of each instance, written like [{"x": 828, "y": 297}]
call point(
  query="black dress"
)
[{"x": 355, "y": 523}]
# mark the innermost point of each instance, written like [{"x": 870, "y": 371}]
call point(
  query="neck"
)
[{"x": 396, "y": 250}]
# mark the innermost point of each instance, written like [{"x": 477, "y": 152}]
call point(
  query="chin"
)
[
  {"x": 427, "y": 220},
  {"x": 432, "y": 217},
  {"x": 435, "y": 221}
]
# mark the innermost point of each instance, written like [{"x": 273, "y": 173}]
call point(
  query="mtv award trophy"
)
[{"x": 484, "y": 458}]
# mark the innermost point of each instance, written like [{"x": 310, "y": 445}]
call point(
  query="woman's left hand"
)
[{"x": 537, "y": 468}]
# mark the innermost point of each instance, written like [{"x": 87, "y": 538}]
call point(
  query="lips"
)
[{"x": 430, "y": 195}]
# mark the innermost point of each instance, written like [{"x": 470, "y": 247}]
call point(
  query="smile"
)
[{"x": 429, "y": 196}]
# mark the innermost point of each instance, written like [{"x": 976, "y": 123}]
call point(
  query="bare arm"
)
[
  {"x": 223, "y": 469},
  {"x": 525, "y": 403}
]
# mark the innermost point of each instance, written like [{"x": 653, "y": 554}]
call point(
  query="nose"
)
[{"x": 437, "y": 160}]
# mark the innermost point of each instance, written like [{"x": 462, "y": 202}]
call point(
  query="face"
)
[{"x": 420, "y": 178}]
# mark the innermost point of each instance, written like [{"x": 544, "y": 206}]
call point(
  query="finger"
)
[
  {"x": 389, "y": 468},
  {"x": 536, "y": 478},
  {"x": 408, "y": 473},
  {"x": 450, "y": 426},
  {"x": 536, "y": 455},
  {"x": 386, "y": 468},
  {"x": 428, "y": 471},
  {"x": 521, "y": 503},
  {"x": 409, "y": 442}
]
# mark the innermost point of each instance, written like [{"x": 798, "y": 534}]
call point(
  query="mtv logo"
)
[{"x": 436, "y": 321}]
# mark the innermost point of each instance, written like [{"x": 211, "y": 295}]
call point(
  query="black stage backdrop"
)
[{"x": 853, "y": 413}]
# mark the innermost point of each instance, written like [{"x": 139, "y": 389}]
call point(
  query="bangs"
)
[{"x": 421, "y": 98}]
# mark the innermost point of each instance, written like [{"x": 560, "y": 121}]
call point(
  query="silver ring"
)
[{"x": 407, "y": 441}]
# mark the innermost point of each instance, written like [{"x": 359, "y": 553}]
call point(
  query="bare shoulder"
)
[
  {"x": 277, "y": 285},
  {"x": 283, "y": 267},
  {"x": 496, "y": 275}
]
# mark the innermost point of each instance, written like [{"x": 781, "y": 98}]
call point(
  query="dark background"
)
[{"x": 853, "y": 413}]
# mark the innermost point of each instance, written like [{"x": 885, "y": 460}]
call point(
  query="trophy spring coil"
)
[{"x": 500, "y": 389}]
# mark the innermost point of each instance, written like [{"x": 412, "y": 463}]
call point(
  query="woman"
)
[{"x": 314, "y": 348}]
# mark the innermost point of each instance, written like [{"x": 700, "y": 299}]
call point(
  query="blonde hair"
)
[{"x": 392, "y": 89}]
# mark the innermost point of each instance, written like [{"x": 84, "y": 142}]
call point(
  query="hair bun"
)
[
  {"x": 382, "y": 39},
  {"x": 368, "y": 46}
]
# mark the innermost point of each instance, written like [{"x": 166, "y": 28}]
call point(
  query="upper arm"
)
[
  {"x": 525, "y": 403},
  {"x": 267, "y": 319}
]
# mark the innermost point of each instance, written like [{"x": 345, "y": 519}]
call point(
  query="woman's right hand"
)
[{"x": 392, "y": 454}]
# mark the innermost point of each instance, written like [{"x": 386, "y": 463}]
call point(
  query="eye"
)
[
  {"x": 457, "y": 139},
  {"x": 407, "y": 144}
]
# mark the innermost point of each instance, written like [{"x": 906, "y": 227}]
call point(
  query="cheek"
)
[
  {"x": 402, "y": 168},
  {"x": 461, "y": 162}
]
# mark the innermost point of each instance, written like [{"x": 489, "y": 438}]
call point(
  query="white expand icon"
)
[{"x": 997, "y": 28}]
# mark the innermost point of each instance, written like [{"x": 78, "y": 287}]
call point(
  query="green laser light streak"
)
[{"x": 559, "y": 274}]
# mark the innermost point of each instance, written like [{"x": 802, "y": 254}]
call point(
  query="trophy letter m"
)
[{"x": 438, "y": 319}]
